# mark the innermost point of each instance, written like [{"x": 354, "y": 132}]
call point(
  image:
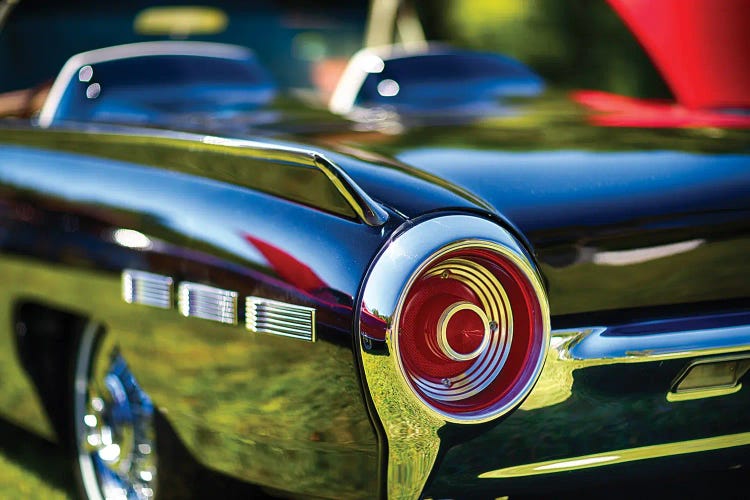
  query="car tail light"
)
[
  {"x": 468, "y": 326},
  {"x": 469, "y": 331}
]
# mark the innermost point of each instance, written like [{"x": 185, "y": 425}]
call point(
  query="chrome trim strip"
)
[
  {"x": 288, "y": 313},
  {"x": 280, "y": 318},
  {"x": 366, "y": 208},
  {"x": 148, "y": 289},
  {"x": 685, "y": 338},
  {"x": 593, "y": 344},
  {"x": 207, "y": 302},
  {"x": 621, "y": 456}
]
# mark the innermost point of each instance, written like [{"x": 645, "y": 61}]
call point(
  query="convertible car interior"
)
[{"x": 245, "y": 254}]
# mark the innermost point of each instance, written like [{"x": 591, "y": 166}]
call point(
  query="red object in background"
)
[
  {"x": 622, "y": 111},
  {"x": 701, "y": 47}
]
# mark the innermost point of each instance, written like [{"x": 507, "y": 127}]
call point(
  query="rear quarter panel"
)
[{"x": 272, "y": 410}]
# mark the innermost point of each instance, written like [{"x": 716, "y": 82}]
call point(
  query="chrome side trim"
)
[
  {"x": 621, "y": 456},
  {"x": 140, "y": 287},
  {"x": 369, "y": 212},
  {"x": 366, "y": 208},
  {"x": 280, "y": 318},
  {"x": 595, "y": 345},
  {"x": 684, "y": 338},
  {"x": 202, "y": 301}
]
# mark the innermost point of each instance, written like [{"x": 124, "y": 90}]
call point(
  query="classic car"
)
[{"x": 208, "y": 274}]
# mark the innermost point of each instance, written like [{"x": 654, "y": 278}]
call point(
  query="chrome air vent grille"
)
[
  {"x": 201, "y": 301},
  {"x": 280, "y": 318},
  {"x": 139, "y": 287}
]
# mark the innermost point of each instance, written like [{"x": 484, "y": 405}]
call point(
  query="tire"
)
[{"x": 113, "y": 424}]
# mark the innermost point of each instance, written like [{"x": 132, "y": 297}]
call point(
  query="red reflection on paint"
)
[
  {"x": 304, "y": 279},
  {"x": 289, "y": 268},
  {"x": 622, "y": 111}
]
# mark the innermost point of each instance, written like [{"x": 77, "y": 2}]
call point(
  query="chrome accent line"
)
[
  {"x": 207, "y": 302},
  {"x": 684, "y": 338},
  {"x": 369, "y": 212},
  {"x": 280, "y": 318},
  {"x": 366, "y": 208},
  {"x": 361, "y": 204},
  {"x": 594, "y": 345},
  {"x": 621, "y": 456},
  {"x": 140, "y": 287}
]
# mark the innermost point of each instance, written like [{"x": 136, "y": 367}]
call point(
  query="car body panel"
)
[
  {"x": 639, "y": 237},
  {"x": 591, "y": 256},
  {"x": 234, "y": 397},
  {"x": 600, "y": 212}
]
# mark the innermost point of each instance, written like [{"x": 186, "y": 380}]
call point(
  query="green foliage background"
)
[{"x": 571, "y": 43}]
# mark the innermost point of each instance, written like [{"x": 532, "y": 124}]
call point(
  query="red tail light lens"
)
[{"x": 471, "y": 331}]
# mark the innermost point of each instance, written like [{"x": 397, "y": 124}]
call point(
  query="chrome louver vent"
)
[
  {"x": 201, "y": 301},
  {"x": 139, "y": 287},
  {"x": 280, "y": 318}
]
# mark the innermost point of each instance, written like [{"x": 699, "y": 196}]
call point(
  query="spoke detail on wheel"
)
[{"x": 115, "y": 430}]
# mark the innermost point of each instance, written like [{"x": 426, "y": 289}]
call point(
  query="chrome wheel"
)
[{"x": 114, "y": 424}]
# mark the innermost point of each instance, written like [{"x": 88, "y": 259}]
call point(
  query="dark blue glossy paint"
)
[
  {"x": 594, "y": 220},
  {"x": 545, "y": 190},
  {"x": 602, "y": 226},
  {"x": 198, "y": 210},
  {"x": 61, "y": 211}
]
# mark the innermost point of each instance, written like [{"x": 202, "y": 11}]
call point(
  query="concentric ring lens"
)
[{"x": 470, "y": 331}]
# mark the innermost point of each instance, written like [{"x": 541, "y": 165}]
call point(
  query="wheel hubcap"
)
[{"x": 114, "y": 420}]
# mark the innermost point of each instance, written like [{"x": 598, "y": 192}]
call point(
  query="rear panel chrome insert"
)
[
  {"x": 139, "y": 287},
  {"x": 203, "y": 301},
  {"x": 280, "y": 318}
]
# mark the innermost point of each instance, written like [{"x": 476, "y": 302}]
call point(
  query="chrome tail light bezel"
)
[
  {"x": 403, "y": 260},
  {"x": 410, "y": 423}
]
